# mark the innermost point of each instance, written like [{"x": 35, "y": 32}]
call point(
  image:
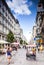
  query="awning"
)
[
  {"x": 16, "y": 43},
  {"x": 38, "y": 37},
  {"x": 3, "y": 42},
  {"x": 31, "y": 45},
  {"x": 40, "y": 40}
]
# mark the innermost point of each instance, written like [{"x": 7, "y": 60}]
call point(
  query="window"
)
[
  {"x": 6, "y": 21},
  {"x": 38, "y": 31},
  {"x": 39, "y": 5},
  {"x": 2, "y": 28},
  {"x": 6, "y": 13},
  {"x": 0, "y": 5},
  {"x": 0, "y": 13},
  {"x": 8, "y": 17},
  {"x": 3, "y": 9},
  {"x": 3, "y": 37}
]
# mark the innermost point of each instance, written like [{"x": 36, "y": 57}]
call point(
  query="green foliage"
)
[
  {"x": 10, "y": 37},
  {"x": 21, "y": 41},
  {"x": 25, "y": 43}
]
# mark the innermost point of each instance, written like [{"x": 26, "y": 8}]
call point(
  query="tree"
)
[
  {"x": 25, "y": 43},
  {"x": 21, "y": 41},
  {"x": 10, "y": 37}
]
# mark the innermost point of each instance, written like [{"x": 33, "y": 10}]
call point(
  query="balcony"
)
[
  {"x": 39, "y": 9},
  {"x": 38, "y": 31}
]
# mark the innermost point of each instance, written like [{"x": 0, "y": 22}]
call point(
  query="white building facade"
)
[{"x": 7, "y": 21}]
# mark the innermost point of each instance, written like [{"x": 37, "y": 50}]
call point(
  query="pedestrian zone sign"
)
[{"x": 34, "y": 38}]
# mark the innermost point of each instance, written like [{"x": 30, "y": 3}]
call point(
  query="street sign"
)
[{"x": 34, "y": 38}]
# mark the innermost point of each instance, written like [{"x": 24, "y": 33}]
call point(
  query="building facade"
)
[
  {"x": 34, "y": 31},
  {"x": 40, "y": 21},
  {"x": 34, "y": 34},
  {"x": 8, "y": 21},
  {"x": 18, "y": 31}
]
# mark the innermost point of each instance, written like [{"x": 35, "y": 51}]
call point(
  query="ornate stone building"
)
[
  {"x": 8, "y": 22},
  {"x": 40, "y": 21}
]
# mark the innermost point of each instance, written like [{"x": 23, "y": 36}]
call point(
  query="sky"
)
[{"x": 25, "y": 11}]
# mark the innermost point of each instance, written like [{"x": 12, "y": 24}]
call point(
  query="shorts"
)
[{"x": 9, "y": 56}]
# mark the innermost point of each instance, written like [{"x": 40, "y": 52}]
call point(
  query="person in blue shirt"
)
[{"x": 8, "y": 55}]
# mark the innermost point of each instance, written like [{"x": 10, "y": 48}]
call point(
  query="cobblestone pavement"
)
[{"x": 19, "y": 58}]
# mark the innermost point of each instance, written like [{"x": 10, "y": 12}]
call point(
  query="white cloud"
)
[{"x": 19, "y": 6}]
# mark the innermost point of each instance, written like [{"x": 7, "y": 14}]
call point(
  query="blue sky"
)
[{"x": 25, "y": 12}]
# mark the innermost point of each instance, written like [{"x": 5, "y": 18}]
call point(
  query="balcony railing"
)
[{"x": 40, "y": 9}]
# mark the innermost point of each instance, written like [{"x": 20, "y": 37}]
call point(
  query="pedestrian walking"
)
[
  {"x": 10, "y": 49},
  {"x": 9, "y": 55}
]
